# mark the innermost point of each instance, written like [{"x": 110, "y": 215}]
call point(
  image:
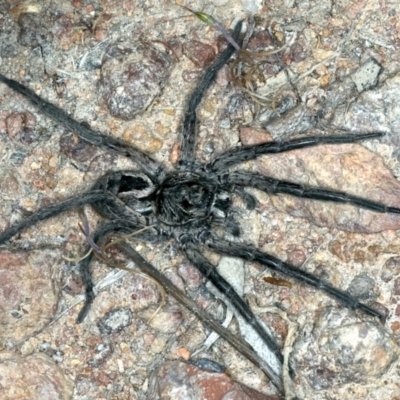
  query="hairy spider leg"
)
[
  {"x": 51, "y": 211},
  {"x": 242, "y": 154},
  {"x": 175, "y": 292},
  {"x": 210, "y": 272},
  {"x": 250, "y": 253},
  {"x": 106, "y": 142},
  {"x": 189, "y": 124},
  {"x": 273, "y": 186},
  {"x": 119, "y": 225}
]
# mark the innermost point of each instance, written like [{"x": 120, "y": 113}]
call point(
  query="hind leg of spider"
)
[
  {"x": 273, "y": 186},
  {"x": 251, "y": 253},
  {"x": 52, "y": 211},
  {"x": 171, "y": 289},
  {"x": 119, "y": 226},
  {"x": 210, "y": 272}
]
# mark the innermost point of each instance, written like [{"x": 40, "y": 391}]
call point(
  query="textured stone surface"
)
[
  {"x": 340, "y": 349},
  {"x": 132, "y": 76},
  {"x": 201, "y": 54},
  {"x": 180, "y": 381},
  {"x": 66, "y": 69},
  {"x": 28, "y": 296},
  {"x": 32, "y": 378},
  {"x": 115, "y": 321}
]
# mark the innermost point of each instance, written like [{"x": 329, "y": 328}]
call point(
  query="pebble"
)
[{"x": 180, "y": 381}]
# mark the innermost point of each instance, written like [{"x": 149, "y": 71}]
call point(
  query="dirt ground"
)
[{"x": 74, "y": 53}]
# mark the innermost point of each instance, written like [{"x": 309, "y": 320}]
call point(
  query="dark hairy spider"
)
[{"x": 192, "y": 203}]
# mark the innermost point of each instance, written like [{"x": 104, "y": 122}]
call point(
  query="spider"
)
[{"x": 192, "y": 203}]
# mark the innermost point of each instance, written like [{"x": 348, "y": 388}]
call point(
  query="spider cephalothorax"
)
[
  {"x": 189, "y": 202},
  {"x": 184, "y": 198}
]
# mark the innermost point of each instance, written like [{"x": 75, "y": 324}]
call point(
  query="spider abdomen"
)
[{"x": 131, "y": 190}]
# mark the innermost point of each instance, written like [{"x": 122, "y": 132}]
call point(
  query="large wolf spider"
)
[{"x": 189, "y": 203}]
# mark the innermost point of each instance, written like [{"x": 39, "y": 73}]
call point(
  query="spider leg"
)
[
  {"x": 272, "y": 186},
  {"x": 191, "y": 305},
  {"x": 114, "y": 226},
  {"x": 190, "y": 118},
  {"x": 251, "y": 253},
  {"x": 51, "y": 211},
  {"x": 241, "y": 154},
  {"x": 170, "y": 288},
  {"x": 210, "y": 272},
  {"x": 106, "y": 142}
]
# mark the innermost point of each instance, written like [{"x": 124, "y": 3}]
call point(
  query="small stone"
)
[
  {"x": 29, "y": 119},
  {"x": 252, "y": 136},
  {"x": 9, "y": 51},
  {"x": 201, "y": 54},
  {"x": 77, "y": 4},
  {"x": 53, "y": 162},
  {"x": 396, "y": 287},
  {"x": 183, "y": 353},
  {"x": 251, "y": 6},
  {"x": 191, "y": 275},
  {"x": 190, "y": 76},
  {"x": 393, "y": 265},
  {"x": 324, "y": 80},
  {"x": 340, "y": 349},
  {"x": 219, "y": 3},
  {"x": 28, "y": 136},
  {"x": 14, "y": 123},
  {"x": 296, "y": 257},
  {"x": 192, "y": 382},
  {"x": 362, "y": 287},
  {"x": 165, "y": 320},
  {"x": 397, "y": 311},
  {"x": 174, "y": 155},
  {"x": 225, "y": 123},
  {"x": 76, "y": 148},
  {"x": 115, "y": 320},
  {"x": 395, "y": 327},
  {"x": 35, "y": 166},
  {"x": 132, "y": 76},
  {"x": 18, "y": 157},
  {"x": 366, "y": 77},
  {"x": 142, "y": 138}
]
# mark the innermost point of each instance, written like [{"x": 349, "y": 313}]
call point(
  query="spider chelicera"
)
[{"x": 191, "y": 203}]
